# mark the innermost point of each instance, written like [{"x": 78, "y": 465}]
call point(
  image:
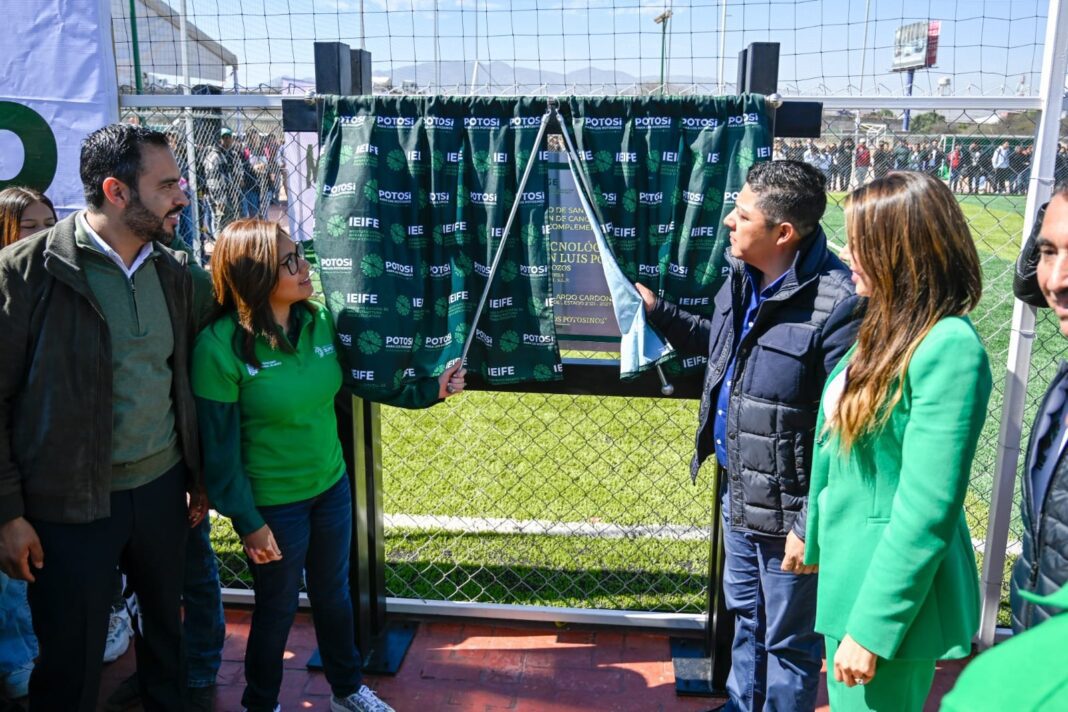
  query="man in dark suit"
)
[{"x": 1041, "y": 280}]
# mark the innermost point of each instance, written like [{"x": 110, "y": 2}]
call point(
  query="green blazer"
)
[
  {"x": 1026, "y": 672},
  {"x": 886, "y": 523}
]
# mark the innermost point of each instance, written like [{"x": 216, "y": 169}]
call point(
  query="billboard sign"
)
[{"x": 916, "y": 45}]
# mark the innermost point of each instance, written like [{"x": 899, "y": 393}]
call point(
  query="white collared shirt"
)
[{"x": 104, "y": 247}]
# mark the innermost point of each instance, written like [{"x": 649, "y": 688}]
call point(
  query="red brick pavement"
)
[{"x": 491, "y": 667}]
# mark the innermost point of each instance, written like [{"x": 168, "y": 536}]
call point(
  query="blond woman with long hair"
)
[{"x": 898, "y": 426}]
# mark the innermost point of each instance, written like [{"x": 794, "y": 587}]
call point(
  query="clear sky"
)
[{"x": 986, "y": 46}]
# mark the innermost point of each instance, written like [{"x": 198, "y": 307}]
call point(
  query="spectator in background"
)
[
  {"x": 186, "y": 231},
  {"x": 1060, "y": 169},
  {"x": 825, "y": 163},
  {"x": 23, "y": 212},
  {"x": 915, "y": 157},
  {"x": 811, "y": 155},
  {"x": 1000, "y": 163},
  {"x": 252, "y": 152},
  {"x": 933, "y": 159},
  {"x": 779, "y": 151},
  {"x": 899, "y": 423},
  {"x": 227, "y": 171},
  {"x": 272, "y": 183},
  {"x": 882, "y": 160},
  {"x": 862, "y": 162},
  {"x": 968, "y": 167},
  {"x": 831, "y": 149},
  {"x": 986, "y": 169},
  {"x": 262, "y": 157},
  {"x": 954, "y": 161},
  {"x": 1019, "y": 167},
  {"x": 844, "y": 163},
  {"x": 795, "y": 151},
  {"x": 901, "y": 156}
]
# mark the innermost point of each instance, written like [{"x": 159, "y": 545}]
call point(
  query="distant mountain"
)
[
  {"x": 501, "y": 77},
  {"x": 504, "y": 78}
]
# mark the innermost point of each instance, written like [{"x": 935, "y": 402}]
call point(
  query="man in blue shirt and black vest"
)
[{"x": 785, "y": 316}]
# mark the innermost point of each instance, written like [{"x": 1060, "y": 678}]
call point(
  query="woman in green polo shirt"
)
[
  {"x": 265, "y": 373},
  {"x": 897, "y": 430}
]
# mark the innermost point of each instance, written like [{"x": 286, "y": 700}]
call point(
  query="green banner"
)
[
  {"x": 664, "y": 173},
  {"x": 414, "y": 196}
]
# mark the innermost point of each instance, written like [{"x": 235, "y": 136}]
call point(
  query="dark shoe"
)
[
  {"x": 200, "y": 699},
  {"x": 126, "y": 696}
]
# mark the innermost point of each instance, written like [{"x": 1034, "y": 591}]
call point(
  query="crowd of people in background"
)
[
  {"x": 966, "y": 165},
  {"x": 237, "y": 177}
]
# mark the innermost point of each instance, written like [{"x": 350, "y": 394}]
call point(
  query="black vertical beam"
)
[
  {"x": 386, "y": 641},
  {"x": 719, "y": 633},
  {"x": 702, "y": 665},
  {"x": 360, "y": 71},
  {"x": 359, "y": 560},
  {"x": 743, "y": 62},
  {"x": 369, "y": 427}
]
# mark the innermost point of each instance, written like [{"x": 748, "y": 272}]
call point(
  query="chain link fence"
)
[{"x": 585, "y": 501}]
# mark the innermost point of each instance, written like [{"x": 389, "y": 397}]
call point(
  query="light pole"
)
[
  {"x": 662, "y": 20},
  {"x": 722, "y": 45}
]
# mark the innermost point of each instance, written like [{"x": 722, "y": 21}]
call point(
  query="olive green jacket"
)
[{"x": 886, "y": 522}]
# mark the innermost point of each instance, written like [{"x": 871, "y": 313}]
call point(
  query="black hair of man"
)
[
  {"x": 114, "y": 151},
  {"x": 789, "y": 191}
]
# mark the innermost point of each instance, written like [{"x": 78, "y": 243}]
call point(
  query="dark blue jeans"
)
[
  {"x": 18, "y": 644},
  {"x": 204, "y": 626},
  {"x": 314, "y": 536},
  {"x": 777, "y": 655},
  {"x": 250, "y": 203}
]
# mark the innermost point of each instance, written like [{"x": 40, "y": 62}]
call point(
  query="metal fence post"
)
[
  {"x": 190, "y": 144},
  {"x": 1054, "y": 66}
]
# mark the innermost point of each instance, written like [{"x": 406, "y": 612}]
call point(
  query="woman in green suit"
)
[{"x": 897, "y": 431}]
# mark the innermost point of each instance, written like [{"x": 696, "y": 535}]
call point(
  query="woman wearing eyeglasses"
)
[{"x": 265, "y": 373}]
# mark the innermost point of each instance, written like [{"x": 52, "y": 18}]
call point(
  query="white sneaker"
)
[
  {"x": 363, "y": 700},
  {"x": 119, "y": 633}
]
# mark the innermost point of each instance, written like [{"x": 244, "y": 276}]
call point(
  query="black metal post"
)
[
  {"x": 383, "y": 642},
  {"x": 702, "y": 664}
]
